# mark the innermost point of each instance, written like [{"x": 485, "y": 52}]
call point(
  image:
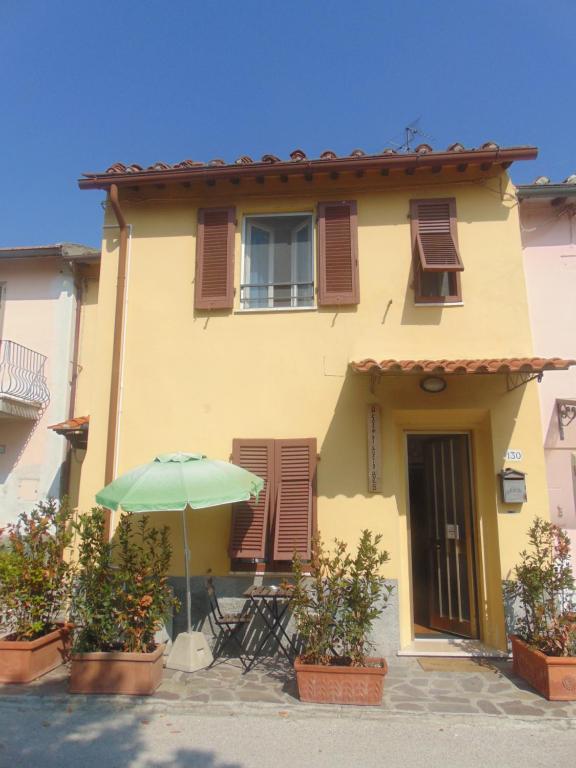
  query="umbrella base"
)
[{"x": 190, "y": 653}]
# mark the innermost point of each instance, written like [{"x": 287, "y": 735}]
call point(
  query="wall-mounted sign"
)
[
  {"x": 374, "y": 450},
  {"x": 514, "y": 455}
]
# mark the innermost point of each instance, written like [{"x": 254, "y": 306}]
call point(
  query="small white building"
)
[{"x": 41, "y": 292}]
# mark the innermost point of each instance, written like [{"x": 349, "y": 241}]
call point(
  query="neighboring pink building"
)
[
  {"x": 548, "y": 221},
  {"x": 40, "y": 295}
]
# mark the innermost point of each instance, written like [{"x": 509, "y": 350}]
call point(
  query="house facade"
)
[
  {"x": 41, "y": 290},
  {"x": 356, "y": 331},
  {"x": 548, "y": 221}
]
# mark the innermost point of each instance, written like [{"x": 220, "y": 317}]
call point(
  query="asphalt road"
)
[{"x": 98, "y": 737}]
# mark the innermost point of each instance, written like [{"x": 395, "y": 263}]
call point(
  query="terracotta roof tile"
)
[
  {"x": 543, "y": 180},
  {"x": 71, "y": 424},
  {"x": 490, "y": 365},
  {"x": 500, "y": 154}
]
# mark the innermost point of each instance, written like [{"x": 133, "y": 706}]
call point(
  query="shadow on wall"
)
[
  {"x": 15, "y": 435},
  {"x": 342, "y": 470},
  {"x": 418, "y": 315}
]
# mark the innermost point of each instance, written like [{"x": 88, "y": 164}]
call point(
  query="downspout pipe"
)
[{"x": 118, "y": 332}]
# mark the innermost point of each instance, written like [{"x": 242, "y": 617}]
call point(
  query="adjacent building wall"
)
[
  {"x": 549, "y": 242},
  {"x": 39, "y": 314},
  {"x": 87, "y": 378}
]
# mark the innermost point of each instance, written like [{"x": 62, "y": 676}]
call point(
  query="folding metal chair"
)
[{"x": 230, "y": 625}]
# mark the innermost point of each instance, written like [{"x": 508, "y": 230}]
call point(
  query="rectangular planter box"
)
[
  {"x": 552, "y": 676},
  {"x": 134, "y": 674},
  {"x": 341, "y": 685},
  {"x": 24, "y": 660}
]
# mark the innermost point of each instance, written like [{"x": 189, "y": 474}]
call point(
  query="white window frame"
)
[{"x": 244, "y": 262}]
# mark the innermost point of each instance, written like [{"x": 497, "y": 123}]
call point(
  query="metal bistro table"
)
[{"x": 271, "y": 604}]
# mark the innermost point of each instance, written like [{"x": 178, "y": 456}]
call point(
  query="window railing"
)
[
  {"x": 276, "y": 295},
  {"x": 22, "y": 373}
]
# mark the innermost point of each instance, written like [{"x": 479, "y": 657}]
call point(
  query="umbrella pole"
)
[
  {"x": 190, "y": 651},
  {"x": 187, "y": 572}
]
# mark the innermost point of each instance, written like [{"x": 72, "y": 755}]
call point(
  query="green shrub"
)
[
  {"x": 35, "y": 570},
  {"x": 121, "y": 595},
  {"x": 544, "y": 589},
  {"x": 337, "y": 598}
]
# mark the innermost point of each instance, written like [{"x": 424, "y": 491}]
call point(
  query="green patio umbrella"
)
[{"x": 176, "y": 481}]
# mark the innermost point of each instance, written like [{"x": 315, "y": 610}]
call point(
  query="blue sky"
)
[{"x": 85, "y": 84}]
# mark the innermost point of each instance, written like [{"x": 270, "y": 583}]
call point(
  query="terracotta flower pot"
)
[
  {"x": 24, "y": 660},
  {"x": 135, "y": 674},
  {"x": 552, "y": 676},
  {"x": 341, "y": 685}
]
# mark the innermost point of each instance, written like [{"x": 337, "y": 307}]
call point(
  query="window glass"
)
[
  {"x": 439, "y": 284},
  {"x": 258, "y": 265},
  {"x": 279, "y": 268}
]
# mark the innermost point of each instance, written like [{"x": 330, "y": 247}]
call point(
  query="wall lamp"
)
[{"x": 433, "y": 384}]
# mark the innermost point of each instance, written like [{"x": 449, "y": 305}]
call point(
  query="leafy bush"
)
[
  {"x": 122, "y": 594},
  {"x": 35, "y": 574},
  {"x": 544, "y": 588},
  {"x": 336, "y": 605}
]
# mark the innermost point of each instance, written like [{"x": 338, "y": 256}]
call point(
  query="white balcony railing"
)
[{"x": 22, "y": 376}]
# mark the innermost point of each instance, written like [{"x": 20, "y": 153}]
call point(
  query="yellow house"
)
[{"x": 355, "y": 330}]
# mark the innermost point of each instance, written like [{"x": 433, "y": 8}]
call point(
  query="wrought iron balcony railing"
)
[{"x": 22, "y": 373}]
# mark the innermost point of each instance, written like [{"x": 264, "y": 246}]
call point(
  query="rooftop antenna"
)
[{"x": 410, "y": 132}]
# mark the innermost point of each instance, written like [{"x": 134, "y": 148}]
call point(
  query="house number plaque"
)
[{"x": 374, "y": 450}]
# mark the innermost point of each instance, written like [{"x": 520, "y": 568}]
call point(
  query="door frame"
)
[{"x": 474, "y": 544}]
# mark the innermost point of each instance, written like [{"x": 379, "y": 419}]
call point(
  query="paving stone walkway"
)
[{"x": 485, "y": 688}]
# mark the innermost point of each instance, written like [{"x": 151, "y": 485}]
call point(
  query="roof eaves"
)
[
  {"x": 545, "y": 191},
  {"x": 328, "y": 163},
  {"x": 67, "y": 251}
]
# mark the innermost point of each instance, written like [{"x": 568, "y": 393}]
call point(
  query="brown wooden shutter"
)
[
  {"x": 249, "y": 529},
  {"x": 214, "y": 286},
  {"x": 338, "y": 253},
  {"x": 434, "y": 234},
  {"x": 295, "y": 466}
]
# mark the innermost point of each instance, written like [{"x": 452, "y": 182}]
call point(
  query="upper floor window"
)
[
  {"x": 278, "y": 268},
  {"x": 437, "y": 261}
]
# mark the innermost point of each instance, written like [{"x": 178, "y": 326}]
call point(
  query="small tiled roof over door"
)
[
  {"x": 78, "y": 422},
  {"x": 474, "y": 366}
]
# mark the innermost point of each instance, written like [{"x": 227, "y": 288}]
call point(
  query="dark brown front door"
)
[{"x": 442, "y": 512}]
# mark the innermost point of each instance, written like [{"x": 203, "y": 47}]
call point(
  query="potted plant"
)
[
  {"x": 120, "y": 601},
  {"x": 337, "y": 598},
  {"x": 544, "y": 645},
  {"x": 35, "y": 577}
]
